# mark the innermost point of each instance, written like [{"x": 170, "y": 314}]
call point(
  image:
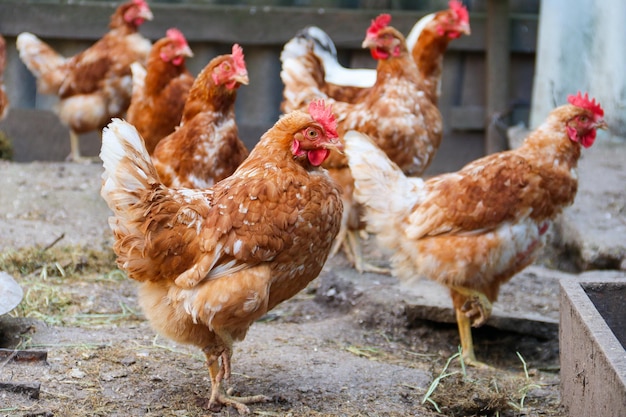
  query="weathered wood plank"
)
[
  {"x": 271, "y": 26},
  {"x": 498, "y": 59},
  {"x": 467, "y": 118}
]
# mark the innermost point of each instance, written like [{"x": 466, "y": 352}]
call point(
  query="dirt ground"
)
[{"x": 330, "y": 351}]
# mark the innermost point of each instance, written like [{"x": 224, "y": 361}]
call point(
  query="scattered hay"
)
[
  {"x": 458, "y": 395},
  {"x": 55, "y": 279},
  {"x": 482, "y": 392},
  {"x": 66, "y": 261}
]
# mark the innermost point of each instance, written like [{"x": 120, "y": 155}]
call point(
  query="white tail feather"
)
[
  {"x": 127, "y": 166},
  {"x": 379, "y": 183},
  {"x": 42, "y": 61}
]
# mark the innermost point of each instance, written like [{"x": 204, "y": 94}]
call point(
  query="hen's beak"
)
[
  {"x": 465, "y": 29},
  {"x": 369, "y": 42},
  {"x": 601, "y": 124},
  {"x": 146, "y": 14},
  {"x": 335, "y": 144},
  {"x": 186, "y": 51},
  {"x": 242, "y": 79}
]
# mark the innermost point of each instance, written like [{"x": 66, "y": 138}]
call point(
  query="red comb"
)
[
  {"x": 324, "y": 116},
  {"x": 583, "y": 102},
  {"x": 459, "y": 10},
  {"x": 176, "y": 35},
  {"x": 237, "y": 55},
  {"x": 141, "y": 3},
  {"x": 381, "y": 22}
]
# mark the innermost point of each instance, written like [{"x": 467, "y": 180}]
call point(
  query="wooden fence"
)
[{"x": 486, "y": 75}]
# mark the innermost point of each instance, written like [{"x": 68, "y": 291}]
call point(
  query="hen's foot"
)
[
  {"x": 477, "y": 307},
  {"x": 220, "y": 398},
  {"x": 471, "y": 361}
]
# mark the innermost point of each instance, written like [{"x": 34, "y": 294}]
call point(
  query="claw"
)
[{"x": 477, "y": 307}]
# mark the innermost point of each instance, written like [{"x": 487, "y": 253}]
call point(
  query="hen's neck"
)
[
  {"x": 549, "y": 146},
  {"x": 428, "y": 56},
  {"x": 213, "y": 98},
  {"x": 400, "y": 67},
  {"x": 119, "y": 24},
  {"x": 159, "y": 73}
]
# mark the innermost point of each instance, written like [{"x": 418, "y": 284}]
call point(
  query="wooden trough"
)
[{"x": 592, "y": 340}]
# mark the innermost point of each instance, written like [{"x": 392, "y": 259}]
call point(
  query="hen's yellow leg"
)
[
  {"x": 474, "y": 312},
  {"x": 218, "y": 372},
  {"x": 467, "y": 343},
  {"x": 75, "y": 155},
  {"x": 74, "y": 147}
]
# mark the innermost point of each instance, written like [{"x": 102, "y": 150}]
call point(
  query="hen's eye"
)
[
  {"x": 311, "y": 133},
  {"x": 583, "y": 119},
  {"x": 226, "y": 66}
]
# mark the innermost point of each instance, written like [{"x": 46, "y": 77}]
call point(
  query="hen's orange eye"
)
[
  {"x": 226, "y": 66},
  {"x": 583, "y": 119},
  {"x": 311, "y": 133}
]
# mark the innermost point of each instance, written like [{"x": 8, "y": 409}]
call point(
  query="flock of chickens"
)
[{"x": 218, "y": 236}]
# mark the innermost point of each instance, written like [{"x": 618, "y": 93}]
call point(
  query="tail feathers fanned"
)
[
  {"x": 47, "y": 65},
  {"x": 128, "y": 169}
]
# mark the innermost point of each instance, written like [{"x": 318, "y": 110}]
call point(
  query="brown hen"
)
[
  {"x": 94, "y": 85},
  {"x": 211, "y": 262},
  {"x": 160, "y": 89},
  {"x": 472, "y": 230},
  {"x": 206, "y": 147}
]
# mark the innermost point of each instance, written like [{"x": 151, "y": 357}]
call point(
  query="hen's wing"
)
[
  {"x": 109, "y": 58},
  {"x": 484, "y": 194}
]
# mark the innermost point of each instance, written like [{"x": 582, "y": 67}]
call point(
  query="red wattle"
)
[{"x": 318, "y": 156}]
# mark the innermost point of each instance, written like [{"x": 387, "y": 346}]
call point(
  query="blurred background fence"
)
[{"x": 487, "y": 78}]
